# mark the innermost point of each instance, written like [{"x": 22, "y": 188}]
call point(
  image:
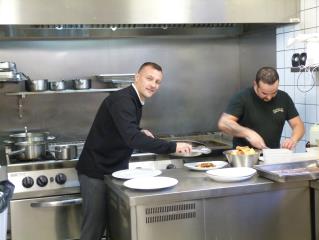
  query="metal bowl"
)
[{"x": 242, "y": 160}]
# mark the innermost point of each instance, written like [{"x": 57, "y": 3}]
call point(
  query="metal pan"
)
[{"x": 198, "y": 149}]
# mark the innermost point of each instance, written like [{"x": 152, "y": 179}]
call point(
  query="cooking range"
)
[{"x": 46, "y": 201}]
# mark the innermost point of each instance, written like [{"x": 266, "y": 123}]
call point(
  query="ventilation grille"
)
[
  {"x": 170, "y": 213},
  {"x": 132, "y": 26}
]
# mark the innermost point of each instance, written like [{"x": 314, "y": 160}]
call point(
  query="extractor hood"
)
[{"x": 129, "y": 18}]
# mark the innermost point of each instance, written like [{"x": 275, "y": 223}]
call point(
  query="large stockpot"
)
[
  {"x": 65, "y": 152},
  {"x": 29, "y": 150},
  {"x": 30, "y": 137}
]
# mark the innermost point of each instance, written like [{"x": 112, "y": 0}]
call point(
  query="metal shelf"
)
[
  {"x": 309, "y": 69},
  {"x": 22, "y": 95}
]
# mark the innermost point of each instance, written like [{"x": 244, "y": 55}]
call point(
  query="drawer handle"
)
[{"x": 62, "y": 203}]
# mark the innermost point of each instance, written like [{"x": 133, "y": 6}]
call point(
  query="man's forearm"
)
[
  {"x": 297, "y": 133},
  {"x": 232, "y": 128}
]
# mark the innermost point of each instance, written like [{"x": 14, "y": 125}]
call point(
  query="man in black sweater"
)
[{"x": 114, "y": 134}]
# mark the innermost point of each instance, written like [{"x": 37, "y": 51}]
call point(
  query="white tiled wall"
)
[{"x": 307, "y": 101}]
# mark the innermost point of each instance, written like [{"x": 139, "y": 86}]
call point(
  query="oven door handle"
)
[{"x": 61, "y": 203}]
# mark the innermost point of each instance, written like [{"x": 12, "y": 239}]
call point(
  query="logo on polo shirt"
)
[{"x": 277, "y": 110}]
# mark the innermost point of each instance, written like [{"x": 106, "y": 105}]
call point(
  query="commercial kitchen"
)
[{"x": 80, "y": 52}]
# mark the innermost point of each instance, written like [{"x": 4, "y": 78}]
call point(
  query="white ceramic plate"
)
[
  {"x": 135, "y": 173},
  {"x": 231, "y": 174},
  {"x": 150, "y": 183},
  {"x": 193, "y": 166}
]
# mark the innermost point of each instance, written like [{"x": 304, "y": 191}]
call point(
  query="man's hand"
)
[
  {"x": 255, "y": 139},
  {"x": 228, "y": 124},
  {"x": 183, "y": 147},
  {"x": 147, "y": 133},
  {"x": 289, "y": 144}
]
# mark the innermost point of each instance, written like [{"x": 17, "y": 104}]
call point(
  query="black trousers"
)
[{"x": 94, "y": 210}]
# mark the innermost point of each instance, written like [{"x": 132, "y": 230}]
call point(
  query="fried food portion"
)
[
  {"x": 205, "y": 165},
  {"x": 243, "y": 151}
]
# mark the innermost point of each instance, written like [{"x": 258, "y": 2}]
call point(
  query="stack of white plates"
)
[
  {"x": 136, "y": 173},
  {"x": 231, "y": 174}
]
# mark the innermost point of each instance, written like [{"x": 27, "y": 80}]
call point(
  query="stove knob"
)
[
  {"x": 42, "y": 181},
  {"x": 27, "y": 182},
  {"x": 60, "y": 178}
]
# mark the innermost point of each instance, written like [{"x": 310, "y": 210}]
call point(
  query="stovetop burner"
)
[{"x": 48, "y": 156}]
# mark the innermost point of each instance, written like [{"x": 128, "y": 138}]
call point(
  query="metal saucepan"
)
[
  {"x": 37, "y": 85},
  {"x": 65, "y": 152},
  {"x": 198, "y": 149},
  {"x": 80, "y": 84},
  {"x": 57, "y": 85},
  {"x": 7, "y": 66},
  {"x": 29, "y": 150}
]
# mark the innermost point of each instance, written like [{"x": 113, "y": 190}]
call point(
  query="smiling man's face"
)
[{"x": 147, "y": 82}]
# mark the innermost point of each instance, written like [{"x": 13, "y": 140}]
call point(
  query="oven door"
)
[{"x": 49, "y": 218}]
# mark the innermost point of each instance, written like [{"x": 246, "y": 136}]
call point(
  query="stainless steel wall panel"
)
[
  {"x": 142, "y": 11},
  {"x": 200, "y": 75}
]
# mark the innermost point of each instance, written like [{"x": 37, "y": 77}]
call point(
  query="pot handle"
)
[
  {"x": 25, "y": 76},
  {"x": 16, "y": 152}
]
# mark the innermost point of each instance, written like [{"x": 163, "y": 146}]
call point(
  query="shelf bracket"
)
[{"x": 20, "y": 105}]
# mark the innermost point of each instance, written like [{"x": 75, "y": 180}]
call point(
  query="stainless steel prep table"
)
[
  {"x": 315, "y": 206},
  {"x": 200, "y": 208}
]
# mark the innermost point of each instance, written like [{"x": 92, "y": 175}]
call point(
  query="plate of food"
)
[{"x": 204, "y": 166}]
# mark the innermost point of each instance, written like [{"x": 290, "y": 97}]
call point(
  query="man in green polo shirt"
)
[{"x": 256, "y": 116}]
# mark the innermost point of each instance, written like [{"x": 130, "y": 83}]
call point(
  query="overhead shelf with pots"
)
[{"x": 113, "y": 82}]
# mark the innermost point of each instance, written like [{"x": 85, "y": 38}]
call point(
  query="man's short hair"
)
[
  {"x": 152, "y": 64},
  {"x": 267, "y": 75}
]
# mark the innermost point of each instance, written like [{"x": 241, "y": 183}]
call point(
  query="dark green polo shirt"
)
[{"x": 266, "y": 118}]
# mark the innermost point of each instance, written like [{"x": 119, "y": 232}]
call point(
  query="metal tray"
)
[{"x": 287, "y": 172}]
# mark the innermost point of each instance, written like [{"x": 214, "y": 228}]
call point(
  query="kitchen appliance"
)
[
  {"x": 81, "y": 84},
  {"x": 100, "y": 19},
  {"x": 27, "y": 146},
  {"x": 242, "y": 160},
  {"x": 8, "y": 66},
  {"x": 57, "y": 85},
  {"x": 36, "y": 85},
  {"x": 65, "y": 152},
  {"x": 46, "y": 203}
]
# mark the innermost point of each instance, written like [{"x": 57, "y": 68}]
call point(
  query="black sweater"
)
[{"x": 114, "y": 134}]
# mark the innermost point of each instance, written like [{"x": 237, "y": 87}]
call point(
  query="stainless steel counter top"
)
[{"x": 195, "y": 185}]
